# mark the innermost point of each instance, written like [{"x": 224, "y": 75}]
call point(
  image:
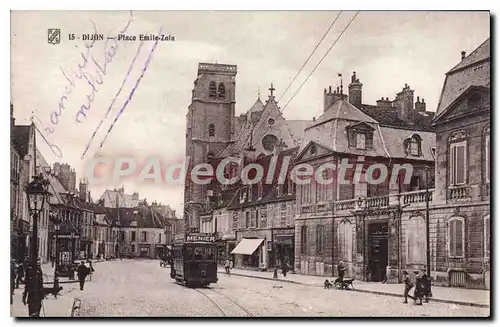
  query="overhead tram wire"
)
[
  {"x": 319, "y": 63},
  {"x": 296, "y": 75},
  {"x": 310, "y": 55}
]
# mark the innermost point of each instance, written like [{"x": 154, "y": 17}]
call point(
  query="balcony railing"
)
[
  {"x": 345, "y": 205},
  {"x": 416, "y": 196},
  {"x": 458, "y": 192},
  {"x": 378, "y": 202}
]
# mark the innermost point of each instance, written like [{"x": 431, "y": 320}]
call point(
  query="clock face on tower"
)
[{"x": 269, "y": 142}]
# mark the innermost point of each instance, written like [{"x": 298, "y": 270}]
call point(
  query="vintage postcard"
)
[{"x": 250, "y": 164}]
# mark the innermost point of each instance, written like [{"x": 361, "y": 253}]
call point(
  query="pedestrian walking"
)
[
  {"x": 32, "y": 291},
  {"x": 341, "y": 270},
  {"x": 82, "y": 273},
  {"x": 419, "y": 288},
  {"x": 408, "y": 285},
  {"x": 91, "y": 270},
  {"x": 12, "y": 280},
  {"x": 227, "y": 266},
  {"x": 427, "y": 285},
  {"x": 19, "y": 274},
  {"x": 284, "y": 268}
]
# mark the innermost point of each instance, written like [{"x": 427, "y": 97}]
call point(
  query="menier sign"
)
[{"x": 200, "y": 237}]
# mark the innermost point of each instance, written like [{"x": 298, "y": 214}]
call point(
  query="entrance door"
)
[{"x": 378, "y": 250}]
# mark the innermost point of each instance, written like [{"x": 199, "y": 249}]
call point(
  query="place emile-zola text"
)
[
  {"x": 122, "y": 37},
  {"x": 146, "y": 37}
]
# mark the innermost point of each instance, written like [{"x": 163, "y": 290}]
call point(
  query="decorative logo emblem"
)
[{"x": 54, "y": 36}]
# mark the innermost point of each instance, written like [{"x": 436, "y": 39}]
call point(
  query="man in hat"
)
[
  {"x": 426, "y": 282},
  {"x": 408, "y": 285},
  {"x": 82, "y": 272},
  {"x": 419, "y": 288}
]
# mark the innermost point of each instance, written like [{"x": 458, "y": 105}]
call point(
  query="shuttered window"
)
[{"x": 456, "y": 237}]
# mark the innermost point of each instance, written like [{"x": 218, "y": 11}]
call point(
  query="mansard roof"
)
[{"x": 472, "y": 70}]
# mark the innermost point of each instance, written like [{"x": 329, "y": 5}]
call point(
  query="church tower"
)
[{"x": 209, "y": 128}]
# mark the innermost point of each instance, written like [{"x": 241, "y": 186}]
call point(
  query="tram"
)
[{"x": 195, "y": 261}]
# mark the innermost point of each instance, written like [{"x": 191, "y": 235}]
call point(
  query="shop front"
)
[
  {"x": 283, "y": 247},
  {"x": 68, "y": 245},
  {"x": 144, "y": 250},
  {"x": 226, "y": 242},
  {"x": 251, "y": 251}
]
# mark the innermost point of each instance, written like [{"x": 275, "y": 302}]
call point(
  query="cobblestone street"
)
[{"x": 140, "y": 288}]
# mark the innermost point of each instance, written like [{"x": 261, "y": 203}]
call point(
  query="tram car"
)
[{"x": 195, "y": 261}]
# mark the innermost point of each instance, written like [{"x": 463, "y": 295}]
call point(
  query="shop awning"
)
[{"x": 247, "y": 246}]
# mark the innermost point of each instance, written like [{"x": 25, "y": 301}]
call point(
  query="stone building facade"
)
[
  {"x": 461, "y": 208},
  {"x": 345, "y": 218}
]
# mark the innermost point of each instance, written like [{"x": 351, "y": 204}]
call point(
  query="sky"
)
[{"x": 150, "y": 84}]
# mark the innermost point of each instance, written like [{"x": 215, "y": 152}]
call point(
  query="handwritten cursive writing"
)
[
  {"x": 113, "y": 101},
  {"x": 91, "y": 73},
  {"x": 131, "y": 94},
  {"x": 54, "y": 148}
]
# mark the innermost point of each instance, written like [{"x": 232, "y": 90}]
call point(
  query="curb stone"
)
[{"x": 472, "y": 304}]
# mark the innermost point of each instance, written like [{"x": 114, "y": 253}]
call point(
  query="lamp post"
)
[
  {"x": 37, "y": 195},
  {"x": 362, "y": 205},
  {"x": 57, "y": 227}
]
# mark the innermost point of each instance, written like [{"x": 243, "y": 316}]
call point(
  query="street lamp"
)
[
  {"x": 57, "y": 227},
  {"x": 363, "y": 207},
  {"x": 37, "y": 195}
]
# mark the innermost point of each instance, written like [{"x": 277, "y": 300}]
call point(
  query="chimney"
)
[
  {"x": 420, "y": 106},
  {"x": 355, "y": 94},
  {"x": 384, "y": 103},
  {"x": 329, "y": 97},
  {"x": 12, "y": 119},
  {"x": 404, "y": 104},
  {"x": 83, "y": 191},
  {"x": 463, "y": 55},
  {"x": 314, "y": 119}
]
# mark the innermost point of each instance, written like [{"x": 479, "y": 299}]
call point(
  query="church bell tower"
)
[{"x": 209, "y": 128}]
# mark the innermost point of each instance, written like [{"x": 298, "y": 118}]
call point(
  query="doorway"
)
[{"x": 378, "y": 251}]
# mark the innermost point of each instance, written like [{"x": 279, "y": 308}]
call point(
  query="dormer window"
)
[
  {"x": 361, "y": 141},
  {"x": 360, "y": 136},
  {"x": 222, "y": 92},
  {"x": 212, "y": 90},
  {"x": 413, "y": 146}
]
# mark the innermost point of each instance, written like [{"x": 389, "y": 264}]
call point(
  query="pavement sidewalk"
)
[
  {"x": 470, "y": 297},
  {"x": 51, "y": 307}
]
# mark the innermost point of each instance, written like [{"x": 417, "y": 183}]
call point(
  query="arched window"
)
[
  {"x": 210, "y": 155},
  {"x": 456, "y": 237},
  {"x": 320, "y": 239},
  {"x": 303, "y": 240},
  {"x": 212, "y": 90},
  {"x": 314, "y": 149},
  {"x": 413, "y": 145},
  {"x": 222, "y": 91},
  {"x": 211, "y": 130}
]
